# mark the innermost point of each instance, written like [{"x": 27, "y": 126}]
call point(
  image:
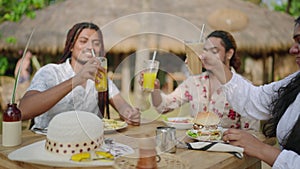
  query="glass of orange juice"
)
[
  {"x": 101, "y": 85},
  {"x": 150, "y": 72}
]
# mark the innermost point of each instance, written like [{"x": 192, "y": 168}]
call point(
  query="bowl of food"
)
[
  {"x": 179, "y": 122},
  {"x": 205, "y": 127}
]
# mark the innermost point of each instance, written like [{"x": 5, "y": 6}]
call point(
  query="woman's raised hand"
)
[{"x": 141, "y": 81}]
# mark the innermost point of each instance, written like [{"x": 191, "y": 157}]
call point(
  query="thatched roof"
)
[{"x": 257, "y": 30}]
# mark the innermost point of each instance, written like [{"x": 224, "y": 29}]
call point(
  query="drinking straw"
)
[
  {"x": 153, "y": 57},
  {"x": 19, "y": 70},
  {"x": 202, "y": 30},
  {"x": 93, "y": 53}
]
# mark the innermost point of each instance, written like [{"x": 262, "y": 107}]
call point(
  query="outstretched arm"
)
[
  {"x": 128, "y": 113},
  {"x": 214, "y": 64}
]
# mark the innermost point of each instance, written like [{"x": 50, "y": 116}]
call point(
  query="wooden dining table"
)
[{"x": 195, "y": 158}]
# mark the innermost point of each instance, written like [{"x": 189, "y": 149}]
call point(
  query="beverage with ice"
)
[{"x": 101, "y": 83}]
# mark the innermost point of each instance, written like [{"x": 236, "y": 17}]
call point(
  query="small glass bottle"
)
[{"x": 11, "y": 126}]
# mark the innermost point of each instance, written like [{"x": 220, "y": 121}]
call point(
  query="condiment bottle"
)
[{"x": 11, "y": 126}]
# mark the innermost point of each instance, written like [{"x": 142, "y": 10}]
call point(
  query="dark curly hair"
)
[
  {"x": 285, "y": 97},
  {"x": 229, "y": 43}
]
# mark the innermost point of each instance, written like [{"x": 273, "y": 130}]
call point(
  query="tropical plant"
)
[
  {"x": 13, "y": 10},
  {"x": 291, "y": 7},
  {"x": 3, "y": 65}
]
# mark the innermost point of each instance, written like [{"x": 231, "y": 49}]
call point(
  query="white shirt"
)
[
  {"x": 80, "y": 98},
  {"x": 253, "y": 101}
]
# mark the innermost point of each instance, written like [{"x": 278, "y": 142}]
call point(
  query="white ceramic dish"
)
[{"x": 179, "y": 122}]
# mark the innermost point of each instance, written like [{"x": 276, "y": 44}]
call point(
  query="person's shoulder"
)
[
  {"x": 294, "y": 74},
  {"x": 201, "y": 76},
  {"x": 50, "y": 67},
  {"x": 289, "y": 77}
]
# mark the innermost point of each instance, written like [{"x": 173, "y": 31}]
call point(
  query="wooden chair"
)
[
  {"x": 171, "y": 77},
  {"x": 6, "y": 89}
]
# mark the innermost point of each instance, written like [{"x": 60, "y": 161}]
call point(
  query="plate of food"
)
[
  {"x": 179, "y": 122},
  {"x": 111, "y": 125},
  {"x": 206, "y": 128}
]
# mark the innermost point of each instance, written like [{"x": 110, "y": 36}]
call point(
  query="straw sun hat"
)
[{"x": 68, "y": 133}]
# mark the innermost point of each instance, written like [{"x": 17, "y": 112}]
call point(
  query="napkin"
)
[
  {"x": 217, "y": 147},
  {"x": 40, "y": 131}
]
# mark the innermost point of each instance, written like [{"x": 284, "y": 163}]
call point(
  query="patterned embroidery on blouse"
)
[
  {"x": 174, "y": 99},
  {"x": 204, "y": 108},
  {"x": 204, "y": 92},
  {"x": 213, "y": 102},
  {"x": 236, "y": 126},
  {"x": 193, "y": 106},
  {"x": 246, "y": 125},
  {"x": 232, "y": 114},
  {"x": 188, "y": 95}
]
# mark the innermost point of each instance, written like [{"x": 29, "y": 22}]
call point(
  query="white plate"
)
[
  {"x": 176, "y": 122},
  {"x": 109, "y": 126},
  {"x": 205, "y": 138}
]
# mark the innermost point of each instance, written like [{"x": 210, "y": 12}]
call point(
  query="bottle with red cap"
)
[{"x": 11, "y": 126}]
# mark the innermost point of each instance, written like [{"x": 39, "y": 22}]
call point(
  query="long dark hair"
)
[
  {"x": 72, "y": 36},
  {"x": 228, "y": 43},
  {"x": 286, "y": 96}
]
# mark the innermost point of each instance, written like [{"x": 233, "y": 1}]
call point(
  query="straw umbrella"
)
[{"x": 258, "y": 31}]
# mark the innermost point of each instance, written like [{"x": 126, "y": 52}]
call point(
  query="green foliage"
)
[
  {"x": 13, "y": 10},
  {"x": 3, "y": 65},
  {"x": 294, "y": 9},
  {"x": 11, "y": 40}
]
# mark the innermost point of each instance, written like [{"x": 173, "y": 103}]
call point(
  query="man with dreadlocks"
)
[
  {"x": 69, "y": 85},
  {"x": 277, "y": 102}
]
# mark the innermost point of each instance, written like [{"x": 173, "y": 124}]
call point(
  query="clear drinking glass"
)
[
  {"x": 193, "y": 49},
  {"x": 101, "y": 83},
  {"x": 150, "y": 72}
]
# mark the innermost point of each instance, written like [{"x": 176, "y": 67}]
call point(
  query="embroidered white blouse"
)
[
  {"x": 80, "y": 98},
  {"x": 253, "y": 101},
  {"x": 194, "y": 90}
]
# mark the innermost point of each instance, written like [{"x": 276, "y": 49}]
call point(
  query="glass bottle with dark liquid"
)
[{"x": 11, "y": 126}]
